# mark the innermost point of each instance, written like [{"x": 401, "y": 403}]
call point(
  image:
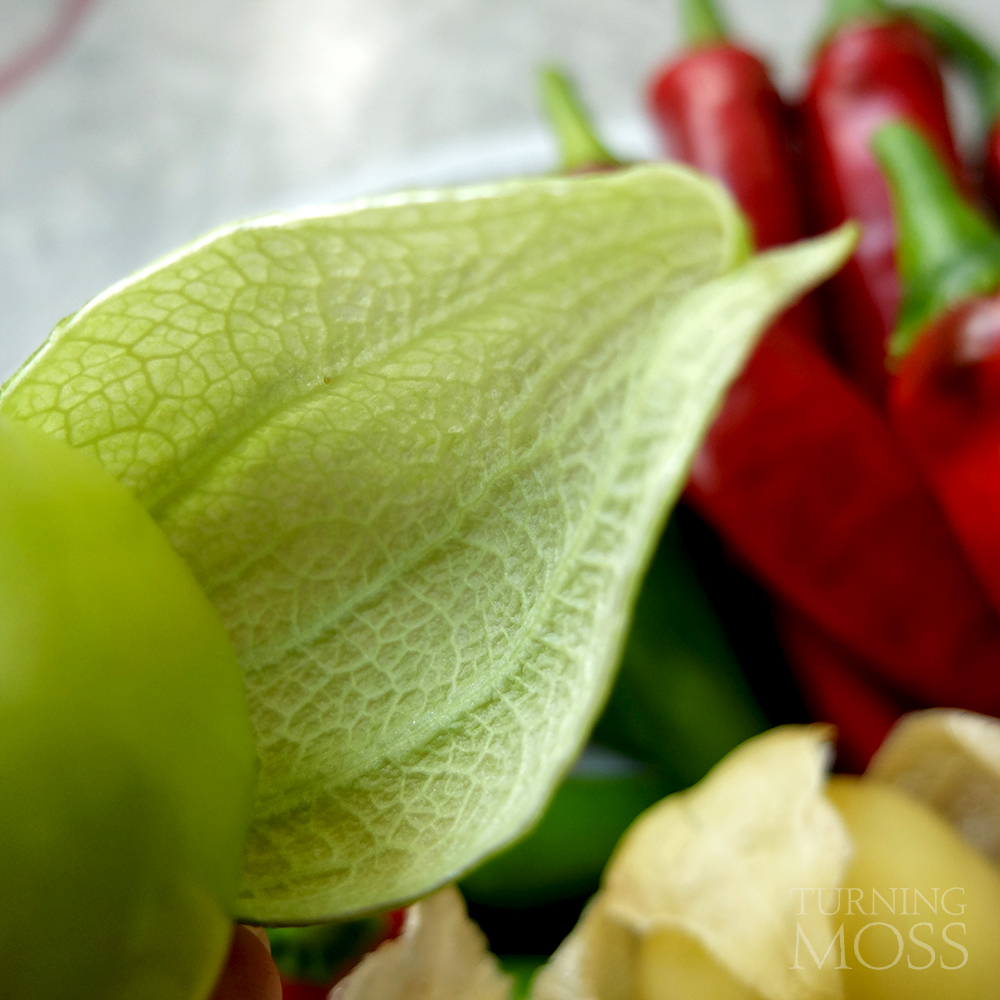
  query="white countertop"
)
[{"x": 128, "y": 127}]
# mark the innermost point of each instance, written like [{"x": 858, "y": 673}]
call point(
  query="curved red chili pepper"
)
[
  {"x": 719, "y": 111},
  {"x": 946, "y": 406},
  {"x": 805, "y": 481},
  {"x": 945, "y": 399},
  {"x": 876, "y": 67}
]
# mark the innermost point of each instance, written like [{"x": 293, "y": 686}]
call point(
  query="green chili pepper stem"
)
[
  {"x": 973, "y": 58},
  {"x": 946, "y": 250},
  {"x": 579, "y": 147},
  {"x": 840, "y": 13},
  {"x": 701, "y": 23}
]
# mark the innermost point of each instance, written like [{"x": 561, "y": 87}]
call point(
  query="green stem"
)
[
  {"x": 972, "y": 57},
  {"x": 840, "y": 13},
  {"x": 701, "y": 23},
  {"x": 579, "y": 147},
  {"x": 947, "y": 251}
]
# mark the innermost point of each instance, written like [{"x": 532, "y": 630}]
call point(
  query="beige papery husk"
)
[
  {"x": 719, "y": 863},
  {"x": 440, "y": 955},
  {"x": 950, "y": 760}
]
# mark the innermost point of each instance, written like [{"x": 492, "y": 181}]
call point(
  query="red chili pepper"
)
[
  {"x": 877, "y": 66},
  {"x": 295, "y": 989},
  {"x": 945, "y": 399},
  {"x": 982, "y": 69},
  {"x": 836, "y": 686},
  {"x": 395, "y": 920},
  {"x": 805, "y": 481},
  {"x": 720, "y": 112},
  {"x": 946, "y": 407}
]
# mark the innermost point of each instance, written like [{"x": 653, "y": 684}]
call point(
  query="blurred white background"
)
[{"x": 128, "y": 127}]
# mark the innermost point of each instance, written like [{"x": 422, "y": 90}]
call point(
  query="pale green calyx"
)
[{"x": 417, "y": 451}]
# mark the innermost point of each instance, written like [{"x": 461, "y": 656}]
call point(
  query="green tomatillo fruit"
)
[{"x": 126, "y": 761}]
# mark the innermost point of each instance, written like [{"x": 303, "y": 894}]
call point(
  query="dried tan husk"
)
[
  {"x": 441, "y": 955},
  {"x": 950, "y": 760},
  {"x": 596, "y": 962},
  {"x": 718, "y": 863}
]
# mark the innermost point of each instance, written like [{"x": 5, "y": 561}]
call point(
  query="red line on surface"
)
[{"x": 36, "y": 54}]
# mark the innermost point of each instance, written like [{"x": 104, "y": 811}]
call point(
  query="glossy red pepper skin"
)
[
  {"x": 720, "y": 112},
  {"x": 804, "y": 479},
  {"x": 868, "y": 73},
  {"x": 945, "y": 405}
]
